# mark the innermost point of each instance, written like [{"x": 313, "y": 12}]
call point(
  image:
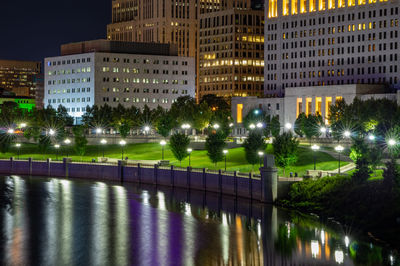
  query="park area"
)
[{"x": 235, "y": 159}]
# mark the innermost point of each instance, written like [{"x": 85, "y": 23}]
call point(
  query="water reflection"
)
[{"x": 63, "y": 222}]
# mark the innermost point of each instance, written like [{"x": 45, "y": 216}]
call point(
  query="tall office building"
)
[
  {"x": 231, "y": 49},
  {"x": 159, "y": 21},
  {"x": 331, "y": 42},
  {"x": 19, "y": 77}
]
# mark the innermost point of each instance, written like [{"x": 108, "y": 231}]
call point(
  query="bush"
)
[
  {"x": 215, "y": 144},
  {"x": 285, "y": 150}
]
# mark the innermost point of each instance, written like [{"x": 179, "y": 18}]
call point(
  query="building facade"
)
[
  {"x": 159, "y": 21},
  {"x": 19, "y": 77},
  {"x": 331, "y": 42},
  {"x": 97, "y": 78},
  {"x": 231, "y": 49}
]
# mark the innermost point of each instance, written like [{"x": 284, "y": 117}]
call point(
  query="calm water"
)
[{"x": 48, "y": 221}]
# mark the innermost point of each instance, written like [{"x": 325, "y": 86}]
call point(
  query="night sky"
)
[{"x": 35, "y": 29}]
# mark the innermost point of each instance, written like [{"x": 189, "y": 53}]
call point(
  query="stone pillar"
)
[
  {"x": 121, "y": 164},
  {"x": 269, "y": 180},
  {"x": 12, "y": 164},
  {"x": 188, "y": 171},
  {"x": 66, "y": 162},
  {"x": 155, "y": 181},
  {"x": 48, "y": 162},
  {"x": 30, "y": 166},
  {"x": 172, "y": 176}
]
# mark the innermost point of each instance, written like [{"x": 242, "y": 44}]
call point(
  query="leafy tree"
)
[
  {"x": 165, "y": 124},
  {"x": 44, "y": 144},
  {"x": 80, "y": 144},
  {"x": 312, "y": 126},
  {"x": 63, "y": 118},
  {"x": 275, "y": 126},
  {"x": 285, "y": 150},
  {"x": 252, "y": 145},
  {"x": 5, "y": 142},
  {"x": 216, "y": 103},
  {"x": 360, "y": 154},
  {"x": 215, "y": 144},
  {"x": 299, "y": 124},
  {"x": 179, "y": 144}
]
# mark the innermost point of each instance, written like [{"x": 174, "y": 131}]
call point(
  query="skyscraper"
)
[
  {"x": 331, "y": 42},
  {"x": 231, "y": 49}
]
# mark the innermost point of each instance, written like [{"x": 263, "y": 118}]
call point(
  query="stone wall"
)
[{"x": 228, "y": 183}]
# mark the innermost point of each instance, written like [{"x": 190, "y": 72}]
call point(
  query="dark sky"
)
[{"x": 35, "y": 29}]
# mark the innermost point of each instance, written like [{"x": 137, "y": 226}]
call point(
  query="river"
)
[{"x": 51, "y": 221}]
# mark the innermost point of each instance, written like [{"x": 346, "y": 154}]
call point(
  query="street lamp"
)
[
  {"x": 261, "y": 154},
  {"x": 103, "y": 143},
  {"x": 57, "y": 146},
  {"x": 163, "y": 143},
  {"x": 347, "y": 133},
  {"x": 189, "y": 150},
  {"x": 146, "y": 130},
  {"x": 18, "y": 145},
  {"x": 315, "y": 148},
  {"x": 99, "y": 130},
  {"x": 339, "y": 149},
  {"x": 259, "y": 125},
  {"x": 52, "y": 132},
  {"x": 22, "y": 125},
  {"x": 391, "y": 142},
  {"x": 216, "y": 126},
  {"x": 67, "y": 142},
  {"x": 122, "y": 143},
  {"x": 252, "y": 126},
  {"x": 288, "y": 126},
  {"x": 225, "y": 153},
  {"x": 323, "y": 129},
  {"x": 371, "y": 137},
  {"x": 10, "y": 131}
]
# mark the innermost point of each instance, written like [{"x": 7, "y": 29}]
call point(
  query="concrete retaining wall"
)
[{"x": 198, "y": 179}]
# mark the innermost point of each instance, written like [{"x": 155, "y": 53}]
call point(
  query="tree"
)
[
  {"x": 252, "y": 145},
  {"x": 312, "y": 126},
  {"x": 165, "y": 124},
  {"x": 275, "y": 126},
  {"x": 285, "y": 150},
  {"x": 44, "y": 144},
  {"x": 360, "y": 154},
  {"x": 216, "y": 103},
  {"x": 5, "y": 142},
  {"x": 179, "y": 144},
  {"x": 80, "y": 140},
  {"x": 254, "y": 116},
  {"x": 299, "y": 124},
  {"x": 215, "y": 144}
]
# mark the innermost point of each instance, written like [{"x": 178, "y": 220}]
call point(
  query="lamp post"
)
[
  {"x": 259, "y": 125},
  {"x": 103, "y": 143},
  {"x": 225, "y": 153},
  {"x": 189, "y": 150},
  {"x": 347, "y": 133},
  {"x": 18, "y": 145},
  {"x": 216, "y": 126},
  {"x": 252, "y": 126},
  {"x": 288, "y": 126},
  {"x": 52, "y": 132},
  {"x": 22, "y": 125},
  {"x": 163, "y": 143},
  {"x": 98, "y": 132},
  {"x": 10, "y": 131},
  {"x": 185, "y": 127},
  {"x": 339, "y": 149},
  {"x": 57, "y": 146},
  {"x": 260, "y": 154},
  {"x": 67, "y": 142},
  {"x": 315, "y": 148},
  {"x": 122, "y": 143},
  {"x": 146, "y": 130}
]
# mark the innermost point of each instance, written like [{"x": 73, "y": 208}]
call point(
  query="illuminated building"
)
[
  {"x": 331, "y": 42},
  {"x": 19, "y": 77},
  {"x": 231, "y": 48},
  {"x": 318, "y": 52},
  {"x": 107, "y": 72}
]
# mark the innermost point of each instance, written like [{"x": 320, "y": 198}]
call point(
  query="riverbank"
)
[{"x": 371, "y": 206}]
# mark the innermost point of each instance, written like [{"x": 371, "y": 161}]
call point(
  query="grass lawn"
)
[
  {"x": 375, "y": 176},
  {"x": 152, "y": 151}
]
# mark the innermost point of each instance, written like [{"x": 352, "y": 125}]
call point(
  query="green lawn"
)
[{"x": 152, "y": 151}]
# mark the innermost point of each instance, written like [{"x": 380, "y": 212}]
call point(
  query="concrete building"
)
[
  {"x": 116, "y": 73},
  {"x": 231, "y": 49},
  {"x": 308, "y": 100},
  {"x": 331, "y": 42},
  {"x": 19, "y": 77}
]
